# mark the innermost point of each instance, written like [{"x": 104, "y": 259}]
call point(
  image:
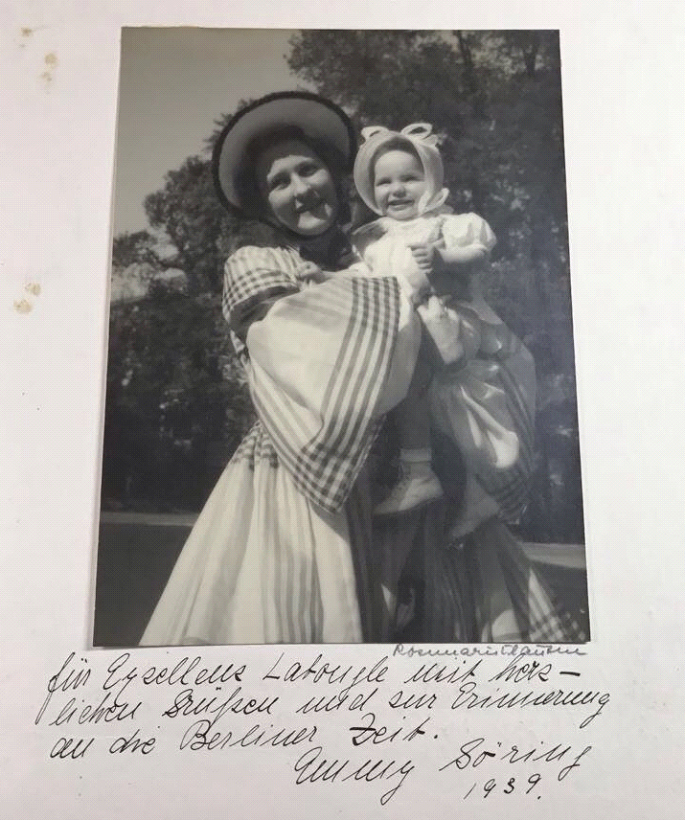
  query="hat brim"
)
[{"x": 317, "y": 117}]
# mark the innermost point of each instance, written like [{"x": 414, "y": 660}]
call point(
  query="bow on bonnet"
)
[
  {"x": 419, "y": 131},
  {"x": 423, "y": 141}
]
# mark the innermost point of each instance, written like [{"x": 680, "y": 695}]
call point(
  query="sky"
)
[{"x": 174, "y": 84}]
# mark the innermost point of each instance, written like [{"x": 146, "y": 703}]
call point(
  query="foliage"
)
[
  {"x": 496, "y": 99},
  {"x": 192, "y": 219},
  {"x": 177, "y": 404},
  {"x": 134, "y": 248}
]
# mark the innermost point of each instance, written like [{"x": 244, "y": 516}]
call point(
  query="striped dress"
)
[
  {"x": 474, "y": 582},
  {"x": 286, "y": 549},
  {"x": 282, "y": 551}
]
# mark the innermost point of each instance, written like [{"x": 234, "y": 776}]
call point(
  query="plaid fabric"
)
[
  {"x": 252, "y": 276},
  {"x": 511, "y": 488},
  {"x": 324, "y": 448},
  {"x": 353, "y": 322},
  {"x": 541, "y": 616},
  {"x": 487, "y": 590},
  {"x": 256, "y": 446}
]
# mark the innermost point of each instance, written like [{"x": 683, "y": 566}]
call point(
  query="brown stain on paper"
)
[
  {"x": 51, "y": 63},
  {"x": 27, "y": 32},
  {"x": 23, "y": 306},
  {"x": 50, "y": 60}
]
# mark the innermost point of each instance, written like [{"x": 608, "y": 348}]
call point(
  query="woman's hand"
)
[{"x": 311, "y": 273}]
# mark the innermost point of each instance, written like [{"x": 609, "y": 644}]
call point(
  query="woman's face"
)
[{"x": 298, "y": 188}]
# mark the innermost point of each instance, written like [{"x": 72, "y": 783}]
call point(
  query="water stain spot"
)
[
  {"x": 33, "y": 288},
  {"x": 27, "y": 32},
  {"x": 23, "y": 306},
  {"x": 51, "y": 63}
]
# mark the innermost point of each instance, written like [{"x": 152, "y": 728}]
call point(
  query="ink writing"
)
[{"x": 390, "y": 722}]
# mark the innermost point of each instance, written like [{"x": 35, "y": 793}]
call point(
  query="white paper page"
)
[{"x": 619, "y": 754}]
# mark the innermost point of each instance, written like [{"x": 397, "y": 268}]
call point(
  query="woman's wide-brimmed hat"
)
[{"x": 316, "y": 117}]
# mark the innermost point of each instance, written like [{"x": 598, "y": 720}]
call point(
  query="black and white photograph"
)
[{"x": 340, "y": 393}]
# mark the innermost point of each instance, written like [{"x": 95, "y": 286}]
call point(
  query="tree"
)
[
  {"x": 177, "y": 401},
  {"x": 189, "y": 213},
  {"x": 134, "y": 248},
  {"x": 496, "y": 97},
  {"x": 200, "y": 231},
  {"x": 385, "y": 77}
]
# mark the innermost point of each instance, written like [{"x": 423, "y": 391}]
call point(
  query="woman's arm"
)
[
  {"x": 326, "y": 364},
  {"x": 253, "y": 282}
]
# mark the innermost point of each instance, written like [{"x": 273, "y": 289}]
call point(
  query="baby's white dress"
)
[{"x": 467, "y": 399}]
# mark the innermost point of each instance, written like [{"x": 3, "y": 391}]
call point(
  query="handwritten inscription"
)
[{"x": 376, "y": 726}]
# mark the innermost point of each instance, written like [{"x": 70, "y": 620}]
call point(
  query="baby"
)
[
  {"x": 427, "y": 248},
  {"x": 431, "y": 251}
]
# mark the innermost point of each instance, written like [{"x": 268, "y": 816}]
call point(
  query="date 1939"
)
[
  {"x": 555, "y": 761},
  {"x": 510, "y": 786}
]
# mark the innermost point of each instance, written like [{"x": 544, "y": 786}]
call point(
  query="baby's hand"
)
[
  {"x": 427, "y": 257},
  {"x": 310, "y": 272}
]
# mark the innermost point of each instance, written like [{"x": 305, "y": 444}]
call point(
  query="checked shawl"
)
[{"x": 318, "y": 363}]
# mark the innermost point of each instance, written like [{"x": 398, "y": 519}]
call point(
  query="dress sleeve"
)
[
  {"x": 326, "y": 364},
  {"x": 364, "y": 240},
  {"x": 253, "y": 280},
  {"x": 468, "y": 229}
]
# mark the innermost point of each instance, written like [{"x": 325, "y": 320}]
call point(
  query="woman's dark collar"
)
[{"x": 331, "y": 250}]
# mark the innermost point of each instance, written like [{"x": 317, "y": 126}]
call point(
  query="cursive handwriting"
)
[
  {"x": 197, "y": 737},
  {"x": 106, "y": 711},
  {"x": 333, "y": 674},
  {"x": 471, "y": 697},
  {"x": 122, "y": 673},
  {"x": 65, "y": 680},
  {"x": 372, "y": 732},
  {"x": 476, "y": 752},
  {"x": 486, "y": 651},
  {"x": 187, "y": 704},
  {"x": 312, "y": 767},
  {"x": 367, "y": 726}
]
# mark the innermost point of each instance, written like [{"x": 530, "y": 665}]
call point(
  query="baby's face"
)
[{"x": 399, "y": 183}]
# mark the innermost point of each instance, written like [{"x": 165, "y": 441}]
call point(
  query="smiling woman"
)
[
  {"x": 283, "y": 550},
  {"x": 338, "y": 518},
  {"x": 298, "y": 188}
]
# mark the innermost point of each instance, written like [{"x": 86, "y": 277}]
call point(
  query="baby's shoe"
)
[{"x": 418, "y": 485}]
